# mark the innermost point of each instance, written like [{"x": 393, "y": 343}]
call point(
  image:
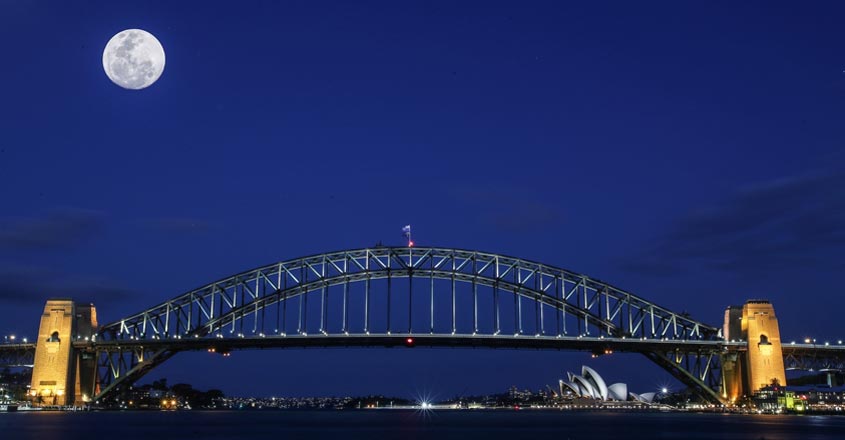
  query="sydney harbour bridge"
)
[{"x": 408, "y": 297}]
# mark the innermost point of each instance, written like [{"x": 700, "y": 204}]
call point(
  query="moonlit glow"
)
[{"x": 133, "y": 59}]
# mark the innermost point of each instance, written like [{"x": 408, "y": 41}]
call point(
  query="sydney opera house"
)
[{"x": 590, "y": 385}]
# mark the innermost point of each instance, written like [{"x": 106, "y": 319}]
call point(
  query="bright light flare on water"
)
[{"x": 425, "y": 407}]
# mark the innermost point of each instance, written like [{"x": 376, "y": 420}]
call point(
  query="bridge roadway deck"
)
[
  {"x": 593, "y": 344},
  {"x": 12, "y": 347},
  {"x": 426, "y": 340}
]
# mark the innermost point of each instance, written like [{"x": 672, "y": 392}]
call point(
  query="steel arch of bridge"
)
[{"x": 546, "y": 302}]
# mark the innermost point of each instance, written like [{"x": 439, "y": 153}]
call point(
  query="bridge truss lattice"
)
[{"x": 373, "y": 296}]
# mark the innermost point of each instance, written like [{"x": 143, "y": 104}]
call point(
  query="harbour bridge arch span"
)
[{"x": 386, "y": 296}]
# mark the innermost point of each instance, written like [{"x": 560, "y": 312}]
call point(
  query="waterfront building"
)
[
  {"x": 817, "y": 398},
  {"x": 590, "y": 385}
]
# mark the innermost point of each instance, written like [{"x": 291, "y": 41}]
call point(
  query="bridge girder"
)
[{"x": 700, "y": 369}]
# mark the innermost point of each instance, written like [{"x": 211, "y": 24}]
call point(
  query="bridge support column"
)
[
  {"x": 762, "y": 363},
  {"x": 62, "y": 375},
  {"x": 732, "y": 376}
]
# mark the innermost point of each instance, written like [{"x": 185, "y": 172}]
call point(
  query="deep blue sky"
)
[{"x": 689, "y": 152}]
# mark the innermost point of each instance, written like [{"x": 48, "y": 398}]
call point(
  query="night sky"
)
[{"x": 691, "y": 153}]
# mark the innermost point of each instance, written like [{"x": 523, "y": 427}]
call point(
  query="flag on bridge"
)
[{"x": 406, "y": 232}]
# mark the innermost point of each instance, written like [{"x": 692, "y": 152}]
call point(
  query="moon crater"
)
[{"x": 133, "y": 59}]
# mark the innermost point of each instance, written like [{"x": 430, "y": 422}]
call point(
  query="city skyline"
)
[{"x": 690, "y": 155}]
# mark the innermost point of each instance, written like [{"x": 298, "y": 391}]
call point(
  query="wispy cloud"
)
[
  {"x": 775, "y": 225},
  {"x": 175, "y": 225},
  {"x": 58, "y": 229},
  {"x": 33, "y": 285}
]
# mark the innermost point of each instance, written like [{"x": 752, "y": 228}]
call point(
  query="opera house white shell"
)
[
  {"x": 618, "y": 391},
  {"x": 589, "y": 384}
]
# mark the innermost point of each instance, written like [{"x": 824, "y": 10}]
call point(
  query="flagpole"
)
[{"x": 407, "y": 232}]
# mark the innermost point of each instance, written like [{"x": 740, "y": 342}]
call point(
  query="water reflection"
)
[{"x": 419, "y": 423}]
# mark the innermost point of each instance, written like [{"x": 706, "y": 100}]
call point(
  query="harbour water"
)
[{"x": 409, "y": 424}]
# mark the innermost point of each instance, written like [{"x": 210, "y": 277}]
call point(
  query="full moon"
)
[{"x": 133, "y": 59}]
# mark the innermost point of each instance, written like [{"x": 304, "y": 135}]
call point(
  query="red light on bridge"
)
[
  {"x": 409, "y": 342},
  {"x": 410, "y": 244}
]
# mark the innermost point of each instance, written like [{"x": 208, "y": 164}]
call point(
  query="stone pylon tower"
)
[
  {"x": 62, "y": 375},
  {"x": 755, "y": 324},
  {"x": 765, "y": 355}
]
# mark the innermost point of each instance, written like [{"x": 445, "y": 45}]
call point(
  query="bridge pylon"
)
[
  {"x": 61, "y": 374},
  {"x": 761, "y": 364}
]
